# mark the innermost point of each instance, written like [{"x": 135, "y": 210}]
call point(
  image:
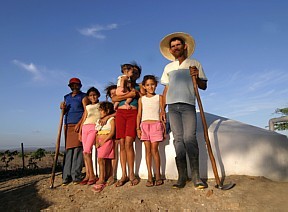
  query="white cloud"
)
[
  {"x": 31, "y": 68},
  {"x": 41, "y": 74},
  {"x": 96, "y": 30}
]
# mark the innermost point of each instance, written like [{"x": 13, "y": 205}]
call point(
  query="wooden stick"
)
[
  {"x": 57, "y": 148},
  {"x": 205, "y": 129}
]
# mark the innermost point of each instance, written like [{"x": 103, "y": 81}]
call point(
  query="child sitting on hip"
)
[{"x": 123, "y": 84}]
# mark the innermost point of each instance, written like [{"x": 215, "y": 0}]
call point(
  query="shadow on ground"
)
[
  {"x": 19, "y": 173},
  {"x": 22, "y": 198}
]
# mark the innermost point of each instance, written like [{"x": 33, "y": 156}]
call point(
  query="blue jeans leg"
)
[{"x": 183, "y": 125}]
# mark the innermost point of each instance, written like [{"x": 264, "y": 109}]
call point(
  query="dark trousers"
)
[{"x": 73, "y": 164}]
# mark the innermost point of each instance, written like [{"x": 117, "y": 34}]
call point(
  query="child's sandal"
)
[
  {"x": 149, "y": 183},
  {"x": 159, "y": 182},
  {"x": 98, "y": 187}
]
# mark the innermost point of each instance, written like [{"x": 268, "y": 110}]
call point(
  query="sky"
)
[{"x": 241, "y": 44}]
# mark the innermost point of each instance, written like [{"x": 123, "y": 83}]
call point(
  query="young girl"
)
[
  {"x": 149, "y": 127},
  {"x": 91, "y": 115},
  {"x": 110, "y": 92},
  {"x": 122, "y": 84},
  {"x": 104, "y": 144}
]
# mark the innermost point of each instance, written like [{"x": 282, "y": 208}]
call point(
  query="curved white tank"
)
[{"x": 238, "y": 148}]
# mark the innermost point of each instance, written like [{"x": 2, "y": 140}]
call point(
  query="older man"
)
[
  {"x": 73, "y": 107},
  {"x": 179, "y": 95}
]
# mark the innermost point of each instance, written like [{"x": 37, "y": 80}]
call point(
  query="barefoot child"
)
[
  {"x": 104, "y": 144},
  {"x": 149, "y": 127},
  {"x": 91, "y": 115},
  {"x": 122, "y": 84}
]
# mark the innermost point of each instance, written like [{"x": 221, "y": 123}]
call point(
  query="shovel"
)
[
  {"x": 57, "y": 149},
  {"x": 208, "y": 144}
]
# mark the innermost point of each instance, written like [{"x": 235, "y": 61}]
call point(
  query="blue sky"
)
[{"x": 242, "y": 45}]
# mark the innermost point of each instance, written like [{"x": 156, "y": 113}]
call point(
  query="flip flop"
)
[
  {"x": 159, "y": 182},
  {"x": 149, "y": 183},
  {"x": 120, "y": 182},
  {"x": 98, "y": 187},
  {"x": 84, "y": 182},
  {"x": 111, "y": 181},
  {"x": 91, "y": 182},
  {"x": 134, "y": 182}
]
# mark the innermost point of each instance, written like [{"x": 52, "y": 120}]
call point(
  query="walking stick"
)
[
  {"x": 205, "y": 129},
  {"x": 57, "y": 148}
]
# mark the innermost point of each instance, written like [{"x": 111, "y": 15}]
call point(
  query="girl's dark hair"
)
[
  {"x": 107, "y": 90},
  {"x": 126, "y": 65},
  {"x": 107, "y": 107},
  {"x": 93, "y": 89},
  {"x": 151, "y": 77},
  {"x": 137, "y": 66}
]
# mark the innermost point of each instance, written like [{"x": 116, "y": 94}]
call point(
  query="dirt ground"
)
[{"x": 33, "y": 193}]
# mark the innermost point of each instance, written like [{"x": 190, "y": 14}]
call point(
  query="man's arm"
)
[{"x": 202, "y": 84}]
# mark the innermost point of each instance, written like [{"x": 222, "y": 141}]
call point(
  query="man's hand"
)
[
  {"x": 202, "y": 84},
  {"x": 194, "y": 71},
  {"x": 62, "y": 105}
]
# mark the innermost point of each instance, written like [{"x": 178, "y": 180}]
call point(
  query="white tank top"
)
[
  {"x": 105, "y": 129},
  {"x": 150, "y": 108},
  {"x": 93, "y": 114}
]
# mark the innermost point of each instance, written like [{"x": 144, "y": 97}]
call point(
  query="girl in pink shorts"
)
[
  {"x": 91, "y": 115},
  {"x": 149, "y": 127},
  {"x": 105, "y": 145}
]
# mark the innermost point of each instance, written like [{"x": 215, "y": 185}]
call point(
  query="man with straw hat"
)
[{"x": 179, "y": 95}]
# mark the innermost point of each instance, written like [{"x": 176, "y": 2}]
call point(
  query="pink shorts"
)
[
  {"x": 126, "y": 123},
  {"x": 88, "y": 137},
  {"x": 151, "y": 131},
  {"x": 107, "y": 150}
]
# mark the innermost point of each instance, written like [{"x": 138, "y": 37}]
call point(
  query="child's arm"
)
[
  {"x": 84, "y": 116},
  {"x": 103, "y": 120},
  {"x": 78, "y": 126},
  {"x": 139, "y": 117},
  {"x": 111, "y": 134}
]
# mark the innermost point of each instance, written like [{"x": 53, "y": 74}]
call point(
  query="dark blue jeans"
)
[{"x": 183, "y": 125}]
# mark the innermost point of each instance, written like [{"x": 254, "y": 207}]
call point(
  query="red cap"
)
[{"x": 74, "y": 80}]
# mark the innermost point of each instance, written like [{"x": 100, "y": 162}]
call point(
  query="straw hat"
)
[{"x": 165, "y": 44}]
